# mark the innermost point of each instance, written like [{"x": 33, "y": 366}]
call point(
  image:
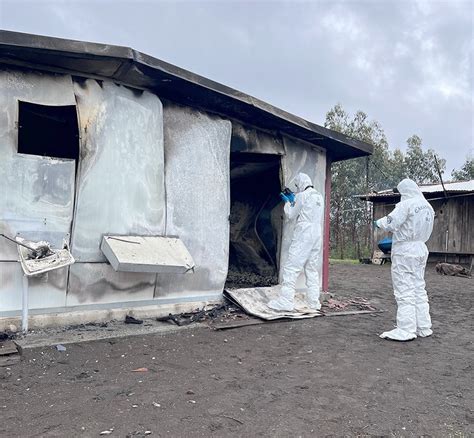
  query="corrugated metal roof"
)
[
  {"x": 459, "y": 186},
  {"x": 451, "y": 187}
]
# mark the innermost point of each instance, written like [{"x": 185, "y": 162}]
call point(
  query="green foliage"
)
[
  {"x": 466, "y": 172},
  {"x": 420, "y": 165},
  {"x": 351, "y": 219}
]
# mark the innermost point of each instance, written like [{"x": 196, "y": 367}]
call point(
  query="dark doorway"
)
[
  {"x": 50, "y": 131},
  {"x": 254, "y": 220}
]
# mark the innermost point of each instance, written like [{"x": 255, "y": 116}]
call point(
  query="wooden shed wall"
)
[{"x": 454, "y": 221}]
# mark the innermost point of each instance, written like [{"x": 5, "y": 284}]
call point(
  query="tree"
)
[
  {"x": 421, "y": 165},
  {"x": 397, "y": 167},
  {"x": 466, "y": 172},
  {"x": 351, "y": 233}
]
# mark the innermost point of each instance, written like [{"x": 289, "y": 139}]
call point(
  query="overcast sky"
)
[{"x": 407, "y": 64}]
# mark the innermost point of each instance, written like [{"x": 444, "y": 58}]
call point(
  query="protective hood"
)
[
  {"x": 302, "y": 181},
  {"x": 409, "y": 190}
]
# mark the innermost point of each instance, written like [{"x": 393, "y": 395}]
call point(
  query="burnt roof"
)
[{"x": 133, "y": 68}]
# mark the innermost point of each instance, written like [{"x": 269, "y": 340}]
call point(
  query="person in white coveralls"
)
[
  {"x": 411, "y": 223},
  {"x": 305, "y": 250}
]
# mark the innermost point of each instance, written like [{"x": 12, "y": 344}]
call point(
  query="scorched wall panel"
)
[
  {"x": 197, "y": 151},
  {"x": 121, "y": 173}
]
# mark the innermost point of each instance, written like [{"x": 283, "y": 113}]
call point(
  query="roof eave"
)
[{"x": 136, "y": 69}]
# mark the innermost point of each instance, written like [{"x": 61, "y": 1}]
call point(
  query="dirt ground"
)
[{"x": 318, "y": 377}]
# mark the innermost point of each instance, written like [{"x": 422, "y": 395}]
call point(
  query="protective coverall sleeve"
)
[
  {"x": 394, "y": 220},
  {"x": 292, "y": 212}
]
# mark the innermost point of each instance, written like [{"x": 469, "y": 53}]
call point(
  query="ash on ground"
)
[{"x": 237, "y": 280}]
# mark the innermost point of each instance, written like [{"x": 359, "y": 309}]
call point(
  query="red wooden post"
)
[{"x": 327, "y": 220}]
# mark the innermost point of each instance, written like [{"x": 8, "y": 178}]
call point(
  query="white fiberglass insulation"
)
[
  {"x": 197, "y": 153},
  {"x": 301, "y": 157},
  {"x": 121, "y": 173}
]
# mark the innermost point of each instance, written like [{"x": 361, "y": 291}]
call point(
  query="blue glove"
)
[
  {"x": 284, "y": 197},
  {"x": 291, "y": 198}
]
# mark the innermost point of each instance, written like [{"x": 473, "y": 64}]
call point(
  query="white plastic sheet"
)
[
  {"x": 121, "y": 174},
  {"x": 197, "y": 151}
]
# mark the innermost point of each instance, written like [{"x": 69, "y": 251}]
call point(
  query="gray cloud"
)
[{"x": 408, "y": 64}]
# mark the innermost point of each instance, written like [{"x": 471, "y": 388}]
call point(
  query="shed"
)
[
  {"x": 452, "y": 239},
  {"x": 99, "y": 140}
]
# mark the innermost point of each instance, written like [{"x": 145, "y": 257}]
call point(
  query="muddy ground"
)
[{"x": 318, "y": 377}]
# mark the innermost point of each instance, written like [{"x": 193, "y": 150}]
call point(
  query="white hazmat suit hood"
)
[
  {"x": 411, "y": 223},
  {"x": 301, "y": 182},
  {"x": 306, "y": 244},
  {"x": 408, "y": 189}
]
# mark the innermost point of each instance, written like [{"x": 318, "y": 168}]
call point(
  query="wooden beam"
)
[{"x": 327, "y": 225}]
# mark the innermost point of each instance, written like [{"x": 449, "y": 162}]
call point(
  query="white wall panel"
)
[{"x": 121, "y": 173}]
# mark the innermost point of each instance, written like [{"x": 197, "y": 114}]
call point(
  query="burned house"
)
[
  {"x": 99, "y": 140},
  {"x": 452, "y": 239}
]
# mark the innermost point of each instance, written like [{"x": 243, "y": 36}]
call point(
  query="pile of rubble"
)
[
  {"x": 215, "y": 313},
  {"x": 357, "y": 303}
]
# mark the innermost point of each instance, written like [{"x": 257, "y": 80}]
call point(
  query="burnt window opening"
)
[
  {"x": 255, "y": 220},
  {"x": 48, "y": 131}
]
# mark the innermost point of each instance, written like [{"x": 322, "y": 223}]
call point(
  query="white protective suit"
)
[
  {"x": 305, "y": 247},
  {"x": 411, "y": 223}
]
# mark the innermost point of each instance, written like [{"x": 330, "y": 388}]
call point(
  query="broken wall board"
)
[
  {"x": 60, "y": 258},
  {"x": 157, "y": 254},
  {"x": 9, "y": 354},
  {"x": 254, "y": 301}
]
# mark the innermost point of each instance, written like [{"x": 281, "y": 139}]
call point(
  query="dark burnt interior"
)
[
  {"x": 48, "y": 131},
  {"x": 255, "y": 221}
]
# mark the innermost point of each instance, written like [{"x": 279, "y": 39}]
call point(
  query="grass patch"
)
[{"x": 346, "y": 261}]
